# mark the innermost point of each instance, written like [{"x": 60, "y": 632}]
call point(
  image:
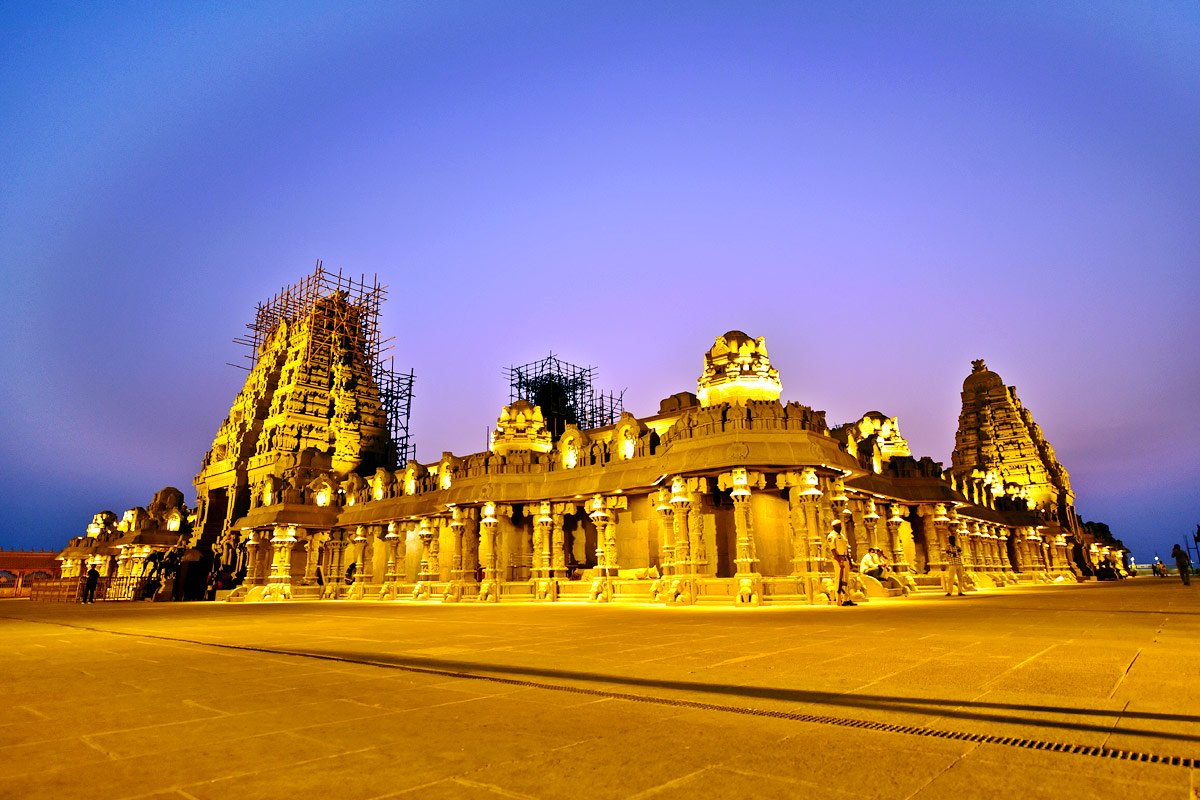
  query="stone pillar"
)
[
  {"x": 803, "y": 496},
  {"x": 358, "y": 587},
  {"x": 999, "y": 558},
  {"x": 601, "y": 590},
  {"x": 680, "y": 506},
  {"x": 458, "y": 528},
  {"x": 894, "y": 520},
  {"x": 334, "y": 572},
  {"x": 749, "y": 581},
  {"x": 859, "y": 542},
  {"x": 970, "y": 545},
  {"x": 543, "y": 542},
  {"x": 470, "y": 544},
  {"x": 435, "y": 550},
  {"x": 695, "y": 527},
  {"x": 936, "y": 524},
  {"x": 683, "y": 585},
  {"x": 837, "y": 511},
  {"x": 254, "y": 545},
  {"x": 666, "y": 527},
  {"x": 457, "y": 524},
  {"x": 558, "y": 541},
  {"x": 489, "y": 590},
  {"x": 1002, "y": 543},
  {"x": 876, "y": 529},
  {"x": 279, "y": 587},
  {"x": 312, "y": 551},
  {"x": 1019, "y": 549},
  {"x": 426, "y": 536},
  {"x": 391, "y": 541}
]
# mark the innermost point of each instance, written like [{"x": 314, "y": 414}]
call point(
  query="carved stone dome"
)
[
  {"x": 736, "y": 369},
  {"x": 981, "y": 378}
]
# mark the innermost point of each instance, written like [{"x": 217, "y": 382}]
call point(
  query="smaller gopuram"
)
[
  {"x": 727, "y": 494},
  {"x": 130, "y": 550},
  {"x": 999, "y": 448}
]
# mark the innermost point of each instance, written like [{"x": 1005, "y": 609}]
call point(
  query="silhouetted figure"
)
[
  {"x": 89, "y": 587},
  {"x": 1182, "y": 563},
  {"x": 351, "y": 571},
  {"x": 954, "y": 567}
]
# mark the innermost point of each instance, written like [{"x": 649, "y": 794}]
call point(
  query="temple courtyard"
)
[{"x": 1089, "y": 690}]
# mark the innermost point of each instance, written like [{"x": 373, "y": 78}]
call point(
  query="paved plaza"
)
[{"x": 1066, "y": 691}]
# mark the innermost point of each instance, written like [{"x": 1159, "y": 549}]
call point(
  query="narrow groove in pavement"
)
[{"x": 818, "y": 719}]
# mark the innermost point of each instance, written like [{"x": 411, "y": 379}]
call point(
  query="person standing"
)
[
  {"x": 89, "y": 587},
  {"x": 1182, "y": 563},
  {"x": 839, "y": 554},
  {"x": 954, "y": 567}
]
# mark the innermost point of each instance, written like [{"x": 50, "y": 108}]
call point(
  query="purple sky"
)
[{"x": 884, "y": 192}]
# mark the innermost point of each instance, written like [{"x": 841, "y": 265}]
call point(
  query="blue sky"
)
[{"x": 884, "y": 192}]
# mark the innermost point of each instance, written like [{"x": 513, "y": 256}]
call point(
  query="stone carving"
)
[{"x": 737, "y": 368}]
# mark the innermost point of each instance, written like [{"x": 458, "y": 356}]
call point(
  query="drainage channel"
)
[{"x": 818, "y": 719}]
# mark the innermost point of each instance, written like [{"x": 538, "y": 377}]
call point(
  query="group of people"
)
[{"x": 873, "y": 563}]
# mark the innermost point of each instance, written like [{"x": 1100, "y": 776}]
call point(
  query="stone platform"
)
[{"x": 1065, "y": 691}]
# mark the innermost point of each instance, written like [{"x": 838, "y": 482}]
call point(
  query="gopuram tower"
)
[
  {"x": 315, "y": 405},
  {"x": 998, "y": 441}
]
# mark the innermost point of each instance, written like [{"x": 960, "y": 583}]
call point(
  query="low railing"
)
[
  {"x": 72, "y": 590},
  {"x": 57, "y": 590}
]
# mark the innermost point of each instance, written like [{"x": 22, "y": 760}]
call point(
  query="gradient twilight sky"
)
[{"x": 885, "y": 191}]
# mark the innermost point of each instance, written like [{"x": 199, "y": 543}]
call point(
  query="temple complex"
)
[{"x": 724, "y": 495}]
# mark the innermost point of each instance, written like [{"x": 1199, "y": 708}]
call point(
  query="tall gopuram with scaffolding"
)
[
  {"x": 319, "y": 398},
  {"x": 727, "y": 494}
]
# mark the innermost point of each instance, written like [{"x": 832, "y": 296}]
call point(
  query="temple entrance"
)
[
  {"x": 581, "y": 543},
  {"x": 726, "y": 541},
  {"x": 1011, "y": 553},
  {"x": 920, "y": 542}
]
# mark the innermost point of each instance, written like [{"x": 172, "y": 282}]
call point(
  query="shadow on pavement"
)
[{"x": 957, "y": 709}]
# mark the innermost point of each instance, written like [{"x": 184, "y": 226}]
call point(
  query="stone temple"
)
[{"x": 724, "y": 495}]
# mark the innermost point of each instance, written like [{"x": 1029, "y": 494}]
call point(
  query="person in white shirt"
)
[
  {"x": 872, "y": 565},
  {"x": 839, "y": 554}
]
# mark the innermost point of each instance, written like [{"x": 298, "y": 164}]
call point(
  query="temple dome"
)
[
  {"x": 981, "y": 378},
  {"x": 736, "y": 369}
]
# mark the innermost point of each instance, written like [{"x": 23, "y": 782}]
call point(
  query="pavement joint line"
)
[
  {"x": 1124, "y": 674},
  {"x": 1065, "y": 748}
]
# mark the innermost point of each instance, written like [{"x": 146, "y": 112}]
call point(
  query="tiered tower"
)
[
  {"x": 313, "y": 402},
  {"x": 998, "y": 441}
]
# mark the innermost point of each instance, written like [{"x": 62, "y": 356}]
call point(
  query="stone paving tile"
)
[
  {"x": 48, "y": 754},
  {"x": 967, "y": 780},
  {"x": 91, "y": 716},
  {"x": 458, "y": 789},
  {"x": 139, "y": 775},
  {"x": 723, "y": 783},
  {"x": 608, "y": 767},
  {"x": 436, "y": 753}
]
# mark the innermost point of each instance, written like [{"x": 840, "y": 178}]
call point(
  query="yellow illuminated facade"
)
[{"x": 723, "y": 496}]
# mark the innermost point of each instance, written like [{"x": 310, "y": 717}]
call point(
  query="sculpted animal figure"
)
[{"x": 746, "y": 594}]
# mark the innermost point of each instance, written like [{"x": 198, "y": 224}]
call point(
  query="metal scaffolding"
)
[
  {"x": 565, "y": 394},
  {"x": 345, "y": 319}
]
